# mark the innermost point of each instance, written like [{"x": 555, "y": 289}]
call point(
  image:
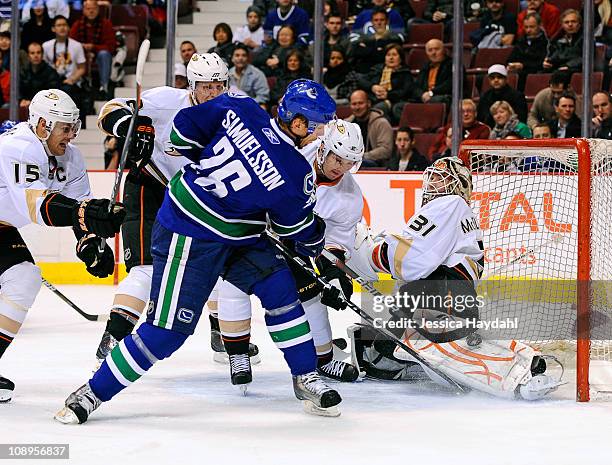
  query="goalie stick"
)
[
  {"x": 433, "y": 372},
  {"x": 84, "y": 314},
  {"x": 143, "y": 52}
]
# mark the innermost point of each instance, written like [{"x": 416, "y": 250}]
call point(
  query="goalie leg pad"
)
[{"x": 498, "y": 368}]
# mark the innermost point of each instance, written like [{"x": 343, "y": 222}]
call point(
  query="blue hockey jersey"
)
[
  {"x": 296, "y": 16},
  {"x": 245, "y": 171}
]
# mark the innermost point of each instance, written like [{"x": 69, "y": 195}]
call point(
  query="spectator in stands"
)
[
  {"x": 367, "y": 50},
  {"x": 37, "y": 75},
  {"x": 38, "y": 27},
  {"x": 5, "y": 67},
  {"x": 529, "y": 51},
  {"x": 506, "y": 121},
  {"x": 405, "y": 156},
  {"x": 446, "y": 148},
  {"x": 339, "y": 79},
  {"x": 287, "y": 13},
  {"x": 247, "y": 78},
  {"x": 54, "y": 8},
  {"x": 252, "y": 33},
  {"x": 497, "y": 27},
  {"x": 565, "y": 53},
  {"x": 334, "y": 35},
  {"x": 67, "y": 57},
  {"x": 225, "y": 44},
  {"x": 265, "y": 5},
  {"x": 180, "y": 76},
  {"x": 363, "y": 22},
  {"x": 295, "y": 68},
  {"x": 602, "y": 109},
  {"x": 434, "y": 84},
  {"x": 390, "y": 85},
  {"x": 566, "y": 124},
  {"x": 543, "y": 108},
  {"x": 542, "y": 131},
  {"x": 472, "y": 128},
  {"x": 439, "y": 11},
  {"x": 98, "y": 39},
  {"x": 603, "y": 22},
  {"x": 375, "y": 128},
  {"x": 271, "y": 58},
  {"x": 187, "y": 49},
  {"x": 500, "y": 90},
  {"x": 549, "y": 13}
]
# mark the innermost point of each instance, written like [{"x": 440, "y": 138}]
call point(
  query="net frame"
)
[{"x": 569, "y": 149}]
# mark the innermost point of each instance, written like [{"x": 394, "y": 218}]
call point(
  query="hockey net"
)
[{"x": 545, "y": 208}]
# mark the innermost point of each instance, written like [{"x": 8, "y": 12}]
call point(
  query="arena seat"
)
[
  {"x": 132, "y": 15},
  {"x": 512, "y": 6},
  {"x": 535, "y": 83},
  {"x": 486, "y": 57},
  {"x": 343, "y": 8},
  {"x": 596, "y": 82},
  {"x": 343, "y": 111},
  {"x": 419, "y": 34},
  {"x": 418, "y": 6},
  {"x": 423, "y": 117},
  {"x": 415, "y": 58},
  {"x": 132, "y": 41},
  {"x": 567, "y": 4},
  {"x": 422, "y": 142},
  {"x": 468, "y": 28}
]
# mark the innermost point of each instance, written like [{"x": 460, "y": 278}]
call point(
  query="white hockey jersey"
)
[
  {"x": 27, "y": 176},
  {"x": 442, "y": 232},
  {"x": 160, "y": 104},
  {"x": 339, "y": 203}
]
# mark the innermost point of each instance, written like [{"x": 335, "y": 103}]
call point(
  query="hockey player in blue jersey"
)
[{"x": 246, "y": 174}]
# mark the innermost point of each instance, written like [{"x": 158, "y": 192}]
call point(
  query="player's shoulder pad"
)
[{"x": 22, "y": 146}]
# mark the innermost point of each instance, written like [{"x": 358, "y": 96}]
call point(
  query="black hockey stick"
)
[
  {"x": 428, "y": 367},
  {"x": 140, "y": 62},
  {"x": 84, "y": 314}
]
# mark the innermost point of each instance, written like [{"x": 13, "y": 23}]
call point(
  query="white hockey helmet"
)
[
  {"x": 206, "y": 67},
  {"x": 343, "y": 139},
  {"x": 447, "y": 176},
  {"x": 54, "y": 106}
]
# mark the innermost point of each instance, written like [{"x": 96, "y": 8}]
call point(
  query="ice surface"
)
[{"x": 185, "y": 410}]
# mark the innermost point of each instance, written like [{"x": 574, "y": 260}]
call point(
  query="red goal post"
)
[{"x": 566, "y": 182}]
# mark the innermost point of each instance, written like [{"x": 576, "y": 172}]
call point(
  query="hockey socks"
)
[
  {"x": 132, "y": 357},
  {"x": 324, "y": 359},
  {"x": 291, "y": 334},
  {"x": 236, "y": 336},
  {"x": 121, "y": 322},
  {"x": 5, "y": 341}
]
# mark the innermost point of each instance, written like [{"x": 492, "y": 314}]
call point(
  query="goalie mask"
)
[
  {"x": 208, "y": 68},
  {"x": 344, "y": 141},
  {"x": 54, "y": 106},
  {"x": 447, "y": 176}
]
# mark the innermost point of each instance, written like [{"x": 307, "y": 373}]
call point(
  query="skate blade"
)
[
  {"x": 5, "y": 396},
  {"x": 66, "y": 416},
  {"x": 223, "y": 358},
  {"x": 243, "y": 389},
  {"x": 312, "y": 409}
]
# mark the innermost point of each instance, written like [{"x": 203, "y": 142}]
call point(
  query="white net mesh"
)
[{"x": 527, "y": 200}]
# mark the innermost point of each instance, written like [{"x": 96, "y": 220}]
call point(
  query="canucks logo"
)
[
  {"x": 271, "y": 136},
  {"x": 312, "y": 93},
  {"x": 309, "y": 189}
]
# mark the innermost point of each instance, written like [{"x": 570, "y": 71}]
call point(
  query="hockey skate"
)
[
  {"x": 240, "y": 371},
  {"x": 216, "y": 344},
  {"x": 107, "y": 344},
  {"x": 339, "y": 370},
  {"x": 317, "y": 397},
  {"x": 6, "y": 389},
  {"x": 78, "y": 406}
]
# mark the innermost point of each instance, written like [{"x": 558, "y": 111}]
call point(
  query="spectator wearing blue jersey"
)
[
  {"x": 368, "y": 50},
  {"x": 363, "y": 22},
  {"x": 225, "y": 46},
  {"x": 287, "y": 13}
]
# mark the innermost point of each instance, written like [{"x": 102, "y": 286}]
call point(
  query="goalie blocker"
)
[{"x": 441, "y": 250}]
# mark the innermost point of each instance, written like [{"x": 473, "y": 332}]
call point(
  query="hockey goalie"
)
[{"x": 440, "y": 252}]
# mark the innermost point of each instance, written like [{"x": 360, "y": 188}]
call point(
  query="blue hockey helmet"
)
[
  {"x": 309, "y": 99},
  {"x": 7, "y": 125}
]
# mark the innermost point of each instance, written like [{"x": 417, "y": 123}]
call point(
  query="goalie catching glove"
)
[
  {"x": 87, "y": 217},
  {"x": 97, "y": 255}
]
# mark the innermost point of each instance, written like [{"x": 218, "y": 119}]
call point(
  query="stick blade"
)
[{"x": 143, "y": 52}]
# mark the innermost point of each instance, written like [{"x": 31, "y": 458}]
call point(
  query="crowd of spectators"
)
[{"x": 369, "y": 64}]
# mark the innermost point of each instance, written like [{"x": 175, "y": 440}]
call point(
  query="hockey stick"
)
[
  {"x": 87, "y": 316},
  {"x": 428, "y": 367},
  {"x": 143, "y": 52}
]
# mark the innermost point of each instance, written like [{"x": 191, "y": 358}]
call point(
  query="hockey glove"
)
[
  {"x": 313, "y": 246},
  {"x": 92, "y": 217},
  {"x": 143, "y": 140},
  {"x": 338, "y": 279},
  {"x": 97, "y": 255}
]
